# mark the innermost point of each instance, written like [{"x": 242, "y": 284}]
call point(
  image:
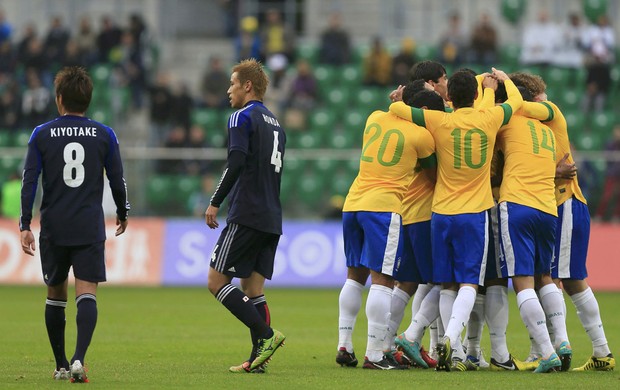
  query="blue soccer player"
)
[
  {"x": 72, "y": 152},
  {"x": 247, "y": 245}
]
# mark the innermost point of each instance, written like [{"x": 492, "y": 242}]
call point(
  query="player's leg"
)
[
  {"x": 350, "y": 298},
  {"x": 55, "y": 264},
  {"x": 89, "y": 270},
  {"x": 235, "y": 255},
  {"x": 474, "y": 328},
  {"x": 589, "y": 314},
  {"x": 552, "y": 301}
]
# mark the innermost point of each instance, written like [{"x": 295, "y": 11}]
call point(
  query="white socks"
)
[
  {"x": 552, "y": 301},
  {"x": 418, "y": 297},
  {"x": 475, "y": 326},
  {"x": 496, "y": 313},
  {"x": 533, "y": 316},
  {"x": 429, "y": 311},
  {"x": 378, "y": 314},
  {"x": 590, "y": 317},
  {"x": 397, "y": 311},
  {"x": 349, "y": 304},
  {"x": 461, "y": 310}
]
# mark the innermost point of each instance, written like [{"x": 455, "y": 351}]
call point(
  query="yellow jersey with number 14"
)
[{"x": 390, "y": 150}]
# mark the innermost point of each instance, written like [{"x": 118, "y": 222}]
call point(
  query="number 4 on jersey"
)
[{"x": 276, "y": 156}]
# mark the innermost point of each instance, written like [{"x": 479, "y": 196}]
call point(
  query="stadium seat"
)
[
  {"x": 102, "y": 116},
  {"x": 160, "y": 193},
  {"x": 589, "y": 141},
  {"x": 325, "y": 166},
  {"x": 575, "y": 121},
  {"x": 355, "y": 120},
  {"x": 509, "y": 56},
  {"x": 304, "y": 139},
  {"x": 184, "y": 186},
  {"x": 326, "y": 78},
  {"x": 425, "y": 52},
  {"x": 9, "y": 165},
  {"x": 558, "y": 78},
  {"x": 350, "y": 77},
  {"x": 323, "y": 121},
  {"x": 206, "y": 117},
  {"x": 21, "y": 138},
  {"x": 340, "y": 182},
  {"x": 603, "y": 123},
  {"x": 309, "y": 52},
  {"x": 368, "y": 99},
  {"x": 338, "y": 100},
  {"x": 343, "y": 139},
  {"x": 101, "y": 75},
  {"x": 568, "y": 100},
  {"x": 310, "y": 189},
  {"x": 6, "y": 138}
]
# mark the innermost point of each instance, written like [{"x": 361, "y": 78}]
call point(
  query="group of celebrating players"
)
[{"x": 463, "y": 184}]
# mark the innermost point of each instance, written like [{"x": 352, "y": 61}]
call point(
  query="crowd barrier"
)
[{"x": 155, "y": 252}]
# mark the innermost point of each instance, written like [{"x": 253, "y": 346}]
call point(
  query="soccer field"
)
[{"x": 160, "y": 338}]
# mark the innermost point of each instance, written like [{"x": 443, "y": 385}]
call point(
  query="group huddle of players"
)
[{"x": 463, "y": 184}]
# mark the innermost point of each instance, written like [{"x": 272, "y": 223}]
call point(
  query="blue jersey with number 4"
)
[
  {"x": 254, "y": 200},
  {"x": 72, "y": 153}
]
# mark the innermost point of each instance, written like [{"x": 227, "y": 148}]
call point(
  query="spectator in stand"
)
[
  {"x": 570, "y": 48},
  {"x": 36, "y": 101},
  {"x": 279, "y": 84},
  {"x": 302, "y": 96},
  {"x": 452, "y": 44},
  {"x": 30, "y": 34},
  {"x": 196, "y": 139},
  {"x": 72, "y": 55},
  {"x": 137, "y": 28},
  {"x": 34, "y": 58},
  {"x": 611, "y": 189},
  {"x": 599, "y": 43},
  {"x": 176, "y": 138},
  {"x": 248, "y": 44},
  {"x": 483, "y": 46},
  {"x": 182, "y": 106},
  {"x": 161, "y": 104},
  {"x": 539, "y": 41},
  {"x": 5, "y": 29},
  {"x": 56, "y": 40},
  {"x": 108, "y": 38},
  {"x": 377, "y": 65},
  {"x": 215, "y": 83},
  {"x": 277, "y": 37},
  {"x": 335, "y": 46},
  {"x": 86, "y": 41},
  {"x": 10, "y": 106},
  {"x": 133, "y": 66},
  {"x": 403, "y": 61},
  {"x": 8, "y": 59}
]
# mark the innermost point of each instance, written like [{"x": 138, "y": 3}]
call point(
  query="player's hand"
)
[
  {"x": 28, "y": 244},
  {"x": 490, "y": 82},
  {"x": 396, "y": 95},
  {"x": 500, "y": 75},
  {"x": 565, "y": 170},
  {"x": 122, "y": 226},
  {"x": 210, "y": 217}
]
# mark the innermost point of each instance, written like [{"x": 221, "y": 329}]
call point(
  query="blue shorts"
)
[
  {"x": 527, "y": 238},
  {"x": 88, "y": 262},
  {"x": 417, "y": 263},
  {"x": 460, "y": 243},
  {"x": 493, "y": 270},
  {"x": 372, "y": 240},
  {"x": 571, "y": 241}
]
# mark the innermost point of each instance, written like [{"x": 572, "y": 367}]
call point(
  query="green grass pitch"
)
[{"x": 167, "y": 338}]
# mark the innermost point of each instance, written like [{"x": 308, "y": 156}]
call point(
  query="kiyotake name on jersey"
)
[{"x": 73, "y": 131}]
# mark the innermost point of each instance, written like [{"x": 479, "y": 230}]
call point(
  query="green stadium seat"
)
[
  {"x": 355, "y": 121},
  {"x": 206, "y": 117},
  {"x": 9, "y": 165},
  {"x": 326, "y": 78},
  {"x": 304, "y": 139},
  {"x": 425, "y": 52},
  {"x": 369, "y": 99},
  {"x": 509, "y": 55},
  {"x": 160, "y": 193},
  {"x": 308, "y": 51},
  {"x": 569, "y": 99},
  {"x": 575, "y": 121},
  {"x": 102, "y": 116},
  {"x": 184, "y": 187},
  {"x": 603, "y": 123},
  {"x": 338, "y": 100},
  {"x": 344, "y": 139},
  {"x": 21, "y": 138},
  {"x": 558, "y": 77},
  {"x": 325, "y": 166},
  {"x": 341, "y": 182},
  {"x": 590, "y": 141},
  {"x": 310, "y": 189},
  {"x": 6, "y": 138},
  {"x": 101, "y": 75},
  {"x": 322, "y": 120},
  {"x": 350, "y": 77}
]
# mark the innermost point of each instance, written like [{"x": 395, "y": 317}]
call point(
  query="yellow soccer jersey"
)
[
  {"x": 529, "y": 164},
  {"x": 390, "y": 150},
  {"x": 551, "y": 115},
  {"x": 464, "y": 142},
  {"x": 486, "y": 96},
  {"x": 419, "y": 198}
]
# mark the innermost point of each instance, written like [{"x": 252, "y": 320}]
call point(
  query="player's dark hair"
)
[
  {"x": 462, "y": 87},
  {"x": 427, "y": 70},
  {"x": 411, "y": 89},
  {"x": 252, "y": 70},
  {"x": 76, "y": 88},
  {"x": 425, "y": 98},
  {"x": 473, "y": 72},
  {"x": 501, "y": 95}
]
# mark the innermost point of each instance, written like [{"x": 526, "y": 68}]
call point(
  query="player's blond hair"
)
[
  {"x": 532, "y": 82},
  {"x": 252, "y": 70}
]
